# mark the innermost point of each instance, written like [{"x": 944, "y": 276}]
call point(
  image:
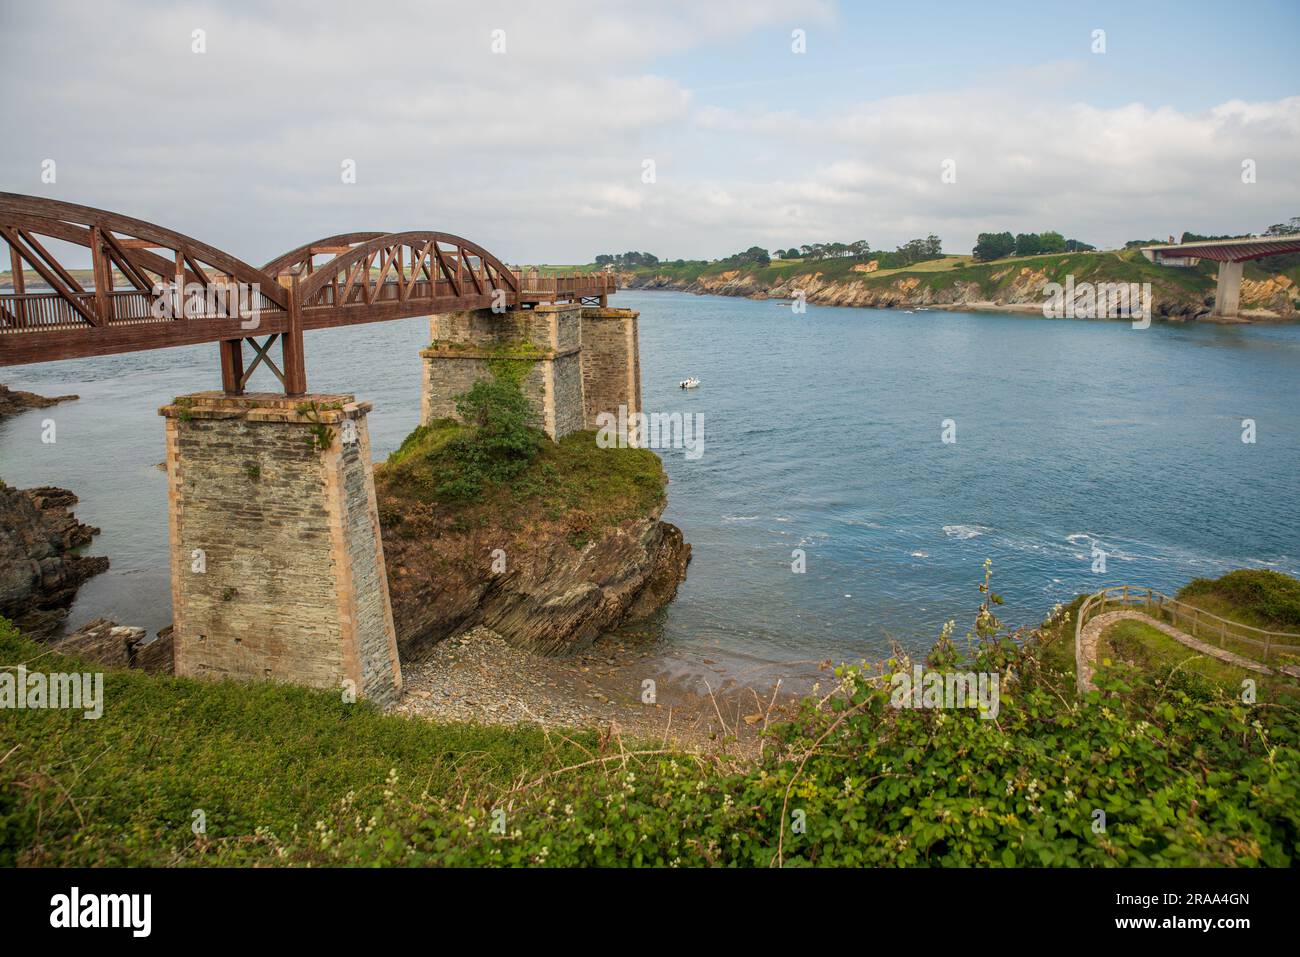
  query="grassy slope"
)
[
  {"x": 1152, "y": 650},
  {"x": 257, "y": 759},
  {"x": 1055, "y": 641},
  {"x": 266, "y": 763},
  {"x": 1260, "y": 598},
  {"x": 571, "y": 481},
  {"x": 1257, "y": 597}
]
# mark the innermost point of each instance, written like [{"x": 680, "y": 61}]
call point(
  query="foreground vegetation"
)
[{"x": 1161, "y": 767}]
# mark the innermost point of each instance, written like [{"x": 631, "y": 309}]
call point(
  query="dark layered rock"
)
[
  {"x": 118, "y": 646},
  {"x": 39, "y": 571},
  {"x": 13, "y": 401},
  {"x": 554, "y": 598}
]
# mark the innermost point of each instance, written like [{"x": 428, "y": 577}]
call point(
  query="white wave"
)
[{"x": 965, "y": 531}]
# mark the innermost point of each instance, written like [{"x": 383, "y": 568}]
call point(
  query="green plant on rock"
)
[
  {"x": 319, "y": 435},
  {"x": 512, "y": 360},
  {"x": 502, "y": 438}
]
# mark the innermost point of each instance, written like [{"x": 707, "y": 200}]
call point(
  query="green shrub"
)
[
  {"x": 502, "y": 437},
  {"x": 1266, "y": 595}
]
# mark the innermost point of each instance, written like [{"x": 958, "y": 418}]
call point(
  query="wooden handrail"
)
[{"x": 1095, "y": 604}]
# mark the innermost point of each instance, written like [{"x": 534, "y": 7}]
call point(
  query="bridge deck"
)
[
  {"x": 1226, "y": 250},
  {"x": 44, "y": 326}
]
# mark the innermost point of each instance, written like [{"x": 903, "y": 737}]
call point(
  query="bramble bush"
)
[{"x": 1184, "y": 774}]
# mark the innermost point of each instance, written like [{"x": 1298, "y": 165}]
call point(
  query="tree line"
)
[
  {"x": 989, "y": 246},
  {"x": 627, "y": 259},
  {"x": 912, "y": 251}
]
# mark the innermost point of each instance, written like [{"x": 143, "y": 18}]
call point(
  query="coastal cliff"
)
[
  {"x": 568, "y": 549},
  {"x": 958, "y": 283}
]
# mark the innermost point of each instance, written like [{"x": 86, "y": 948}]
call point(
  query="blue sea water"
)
[{"x": 822, "y": 433}]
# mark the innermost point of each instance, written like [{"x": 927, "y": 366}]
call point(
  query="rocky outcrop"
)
[
  {"x": 12, "y": 402},
  {"x": 39, "y": 574},
  {"x": 1276, "y": 295},
  {"x": 118, "y": 646},
  {"x": 554, "y": 597}
]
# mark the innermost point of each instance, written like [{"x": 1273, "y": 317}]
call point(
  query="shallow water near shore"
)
[{"x": 822, "y": 433}]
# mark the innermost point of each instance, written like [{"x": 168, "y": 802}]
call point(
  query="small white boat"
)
[{"x": 690, "y": 383}]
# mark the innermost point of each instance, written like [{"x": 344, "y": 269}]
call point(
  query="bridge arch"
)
[
  {"x": 301, "y": 258},
  {"x": 115, "y": 241},
  {"x": 371, "y": 277},
  {"x": 436, "y": 262}
]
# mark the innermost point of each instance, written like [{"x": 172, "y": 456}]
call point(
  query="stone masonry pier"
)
[
  {"x": 584, "y": 361},
  {"x": 277, "y": 561}
]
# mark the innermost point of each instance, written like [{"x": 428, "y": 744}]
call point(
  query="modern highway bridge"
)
[{"x": 1229, "y": 254}]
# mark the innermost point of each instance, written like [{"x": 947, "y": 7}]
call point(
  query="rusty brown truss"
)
[{"x": 152, "y": 288}]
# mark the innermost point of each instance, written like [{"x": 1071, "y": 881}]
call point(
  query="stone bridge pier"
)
[
  {"x": 578, "y": 361},
  {"x": 277, "y": 561}
]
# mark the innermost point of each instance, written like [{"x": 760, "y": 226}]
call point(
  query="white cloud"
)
[
  {"x": 537, "y": 153},
  {"x": 1024, "y": 162}
]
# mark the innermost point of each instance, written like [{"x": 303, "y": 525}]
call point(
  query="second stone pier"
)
[{"x": 578, "y": 361}]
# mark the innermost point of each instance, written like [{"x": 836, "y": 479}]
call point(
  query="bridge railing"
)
[
  {"x": 49, "y": 311},
  {"x": 573, "y": 285},
  {"x": 37, "y": 310},
  {"x": 1258, "y": 643}
]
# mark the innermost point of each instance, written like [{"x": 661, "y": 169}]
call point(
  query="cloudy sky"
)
[{"x": 539, "y": 151}]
